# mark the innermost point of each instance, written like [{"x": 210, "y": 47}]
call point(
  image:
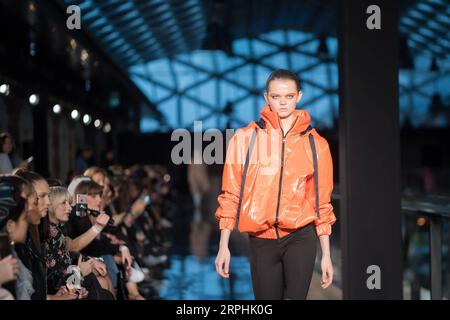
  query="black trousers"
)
[{"x": 282, "y": 268}]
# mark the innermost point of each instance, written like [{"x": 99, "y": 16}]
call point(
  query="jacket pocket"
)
[{"x": 296, "y": 205}]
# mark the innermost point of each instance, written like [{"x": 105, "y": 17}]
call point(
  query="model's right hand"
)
[{"x": 223, "y": 262}]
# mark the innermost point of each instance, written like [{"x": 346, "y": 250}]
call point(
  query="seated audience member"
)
[
  {"x": 59, "y": 259},
  {"x": 13, "y": 222},
  {"x": 32, "y": 252},
  {"x": 106, "y": 244}
]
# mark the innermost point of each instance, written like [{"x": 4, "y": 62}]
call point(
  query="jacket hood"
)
[{"x": 301, "y": 122}]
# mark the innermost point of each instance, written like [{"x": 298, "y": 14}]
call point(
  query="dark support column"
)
[
  {"x": 40, "y": 139},
  {"x": 369, "y": 151},
  {"x": 436, "y": 257}
]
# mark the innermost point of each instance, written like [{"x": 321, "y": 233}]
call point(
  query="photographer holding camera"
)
[
  {"x": 85, "y": 220},
  {"x": 88, "y": 273}
]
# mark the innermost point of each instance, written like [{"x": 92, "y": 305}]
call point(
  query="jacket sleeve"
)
[
  {"x": 231, "y": 184},
  {"x": 325, "y": 170}
]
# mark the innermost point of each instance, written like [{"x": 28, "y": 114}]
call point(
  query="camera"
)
[{"x": 81, "y": 207}]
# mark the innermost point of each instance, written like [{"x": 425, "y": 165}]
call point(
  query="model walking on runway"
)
[{"x": 283, "y": 202}]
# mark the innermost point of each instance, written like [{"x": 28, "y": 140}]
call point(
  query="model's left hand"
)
[{"x": 327, "y": 272}]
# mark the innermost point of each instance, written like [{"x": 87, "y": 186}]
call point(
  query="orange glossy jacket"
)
[{"x": 276, "y": 199}]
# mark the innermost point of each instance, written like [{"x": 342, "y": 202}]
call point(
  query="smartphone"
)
[{"x": 145, "y": 197}]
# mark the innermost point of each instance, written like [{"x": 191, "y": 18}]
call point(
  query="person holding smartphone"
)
[{"x": 9, "y": 158}]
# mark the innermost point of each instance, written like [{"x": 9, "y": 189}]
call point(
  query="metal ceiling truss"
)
[
  {"x": 137, "y": 31},
  {"x": 415, "y": 89},
  {"x": 326, "y": 90},
  {"x": 427, "y": 26}
]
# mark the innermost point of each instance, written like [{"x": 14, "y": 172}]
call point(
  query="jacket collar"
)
[{"x": 302, "y": 120}]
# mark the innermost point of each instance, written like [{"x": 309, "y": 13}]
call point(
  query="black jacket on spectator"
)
[
  {"x": 34, "y": 261},
  {"x": 58, "y": 260},
  {"x": 98, "y": 247}
]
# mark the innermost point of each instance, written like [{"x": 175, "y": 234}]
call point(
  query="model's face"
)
[
  {"x": 42, "y": 190},
  {"x": 61, "y": 211},
  {"x": 7, "y": 145},
  {"x": 282, "y": 97}
]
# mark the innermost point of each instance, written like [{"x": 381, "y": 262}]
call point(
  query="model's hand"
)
[
  {"x": 327, "y": 272},
  {"x": 223, "y": 262}
]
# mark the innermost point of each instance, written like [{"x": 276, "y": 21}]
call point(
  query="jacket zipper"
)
[{"x": 281, "y": 174}]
